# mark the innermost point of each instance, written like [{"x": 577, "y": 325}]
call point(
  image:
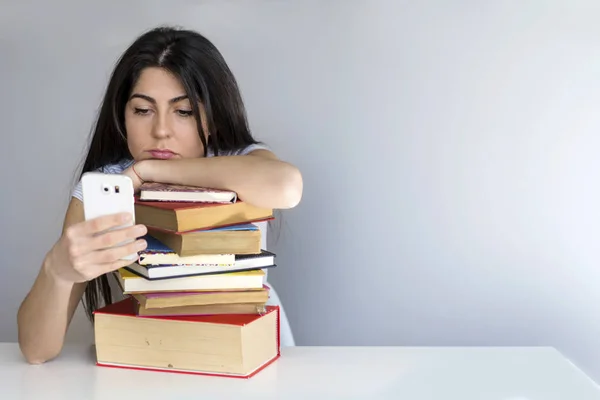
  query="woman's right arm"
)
[{"x": 81, "y": 254}]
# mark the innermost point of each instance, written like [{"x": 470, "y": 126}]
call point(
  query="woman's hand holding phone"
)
[
  {"x": 94, "y": 247},
  {"x": 106, "y": 240}
]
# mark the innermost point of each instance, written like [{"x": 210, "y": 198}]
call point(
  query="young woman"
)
[{"x": 172, "y": 113}]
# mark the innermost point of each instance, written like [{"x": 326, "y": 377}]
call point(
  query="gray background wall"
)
[{"x": 449, "y": 152}]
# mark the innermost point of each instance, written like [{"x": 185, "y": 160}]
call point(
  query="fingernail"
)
[
  {"x": 126, "y": 217},
  {"x": 141, "y": 245}
]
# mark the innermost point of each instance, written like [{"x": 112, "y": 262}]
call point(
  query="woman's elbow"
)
[
  {"x": 291, "y": 187},
  {"x": 34, "y": 360},
  {"x": 34, "y": 350},
  {"x": 36, "y": 356}
]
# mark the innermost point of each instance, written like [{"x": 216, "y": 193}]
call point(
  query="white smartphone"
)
[{"x": 105, "y": 194}]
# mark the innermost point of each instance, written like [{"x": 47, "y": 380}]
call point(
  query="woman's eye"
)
[
  {"x": 141, "y": 111},
  {"x": 185, "y": 113}
]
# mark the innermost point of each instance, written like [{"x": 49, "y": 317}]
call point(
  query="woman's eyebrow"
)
[{"x": 153, "y": 101}]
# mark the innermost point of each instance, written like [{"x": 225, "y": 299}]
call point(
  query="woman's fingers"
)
[
  {"x": 101, "y": 224},
  {"x": 114, "y": 254},
  {"x": 114, "y": 238},
  {"x": 91, "y": 248}
]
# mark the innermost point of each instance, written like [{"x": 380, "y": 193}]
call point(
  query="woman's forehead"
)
[{"x": 159, "y": 84}]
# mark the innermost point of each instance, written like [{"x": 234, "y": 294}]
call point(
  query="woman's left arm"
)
[{"x": 259, "y": 178}]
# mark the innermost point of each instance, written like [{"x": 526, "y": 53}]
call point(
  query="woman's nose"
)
[{"x": 161, "y": 127}]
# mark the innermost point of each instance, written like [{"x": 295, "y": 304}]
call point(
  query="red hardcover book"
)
[{"x": 228, "y": 345}]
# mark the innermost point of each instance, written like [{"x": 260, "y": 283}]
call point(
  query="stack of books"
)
[{"x": 196, "y": 297}]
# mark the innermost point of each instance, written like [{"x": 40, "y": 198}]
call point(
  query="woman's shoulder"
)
[
  {"x": 113, "y": 168},
  {"x": 116, "y": 168},
  {"x": 242, "y": 151}
]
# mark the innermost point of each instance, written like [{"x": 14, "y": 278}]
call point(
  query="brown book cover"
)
[
  {"x": 187, "y": 244},
  {"x": 204, "y": 309},
  {"x": 182, "y": 299},
  {"x": 187, "y": 216}
]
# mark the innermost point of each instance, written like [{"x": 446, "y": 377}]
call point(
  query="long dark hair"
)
[{"x": 206, "y": 78}]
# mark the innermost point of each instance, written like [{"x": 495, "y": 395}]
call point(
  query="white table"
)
[{"x": 311, "y": 373}]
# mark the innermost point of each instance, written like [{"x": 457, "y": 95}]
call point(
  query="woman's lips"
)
[{"x": 162, "y": 154}]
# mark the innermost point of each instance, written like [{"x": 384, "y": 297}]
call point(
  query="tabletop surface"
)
[{"x": 416, "y": 373}]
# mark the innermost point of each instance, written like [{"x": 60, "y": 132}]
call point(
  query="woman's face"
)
[{"x": 159, "y": 120}]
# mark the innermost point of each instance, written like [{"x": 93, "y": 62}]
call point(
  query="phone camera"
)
[{"x": 105, "y": 189}]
